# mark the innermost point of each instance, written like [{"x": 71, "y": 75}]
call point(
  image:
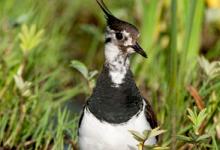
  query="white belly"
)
[{"x": 96, "y": 135}]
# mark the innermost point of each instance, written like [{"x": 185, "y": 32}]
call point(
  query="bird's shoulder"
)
[{"x": 150, "y": 115}]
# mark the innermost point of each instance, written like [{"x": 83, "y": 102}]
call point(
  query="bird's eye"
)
[{"x": 119, "y": 36}]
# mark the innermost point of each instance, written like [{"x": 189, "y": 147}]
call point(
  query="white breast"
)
[
  {"x": 116, "y": 59},
  {"x": 97, "y": 135}
]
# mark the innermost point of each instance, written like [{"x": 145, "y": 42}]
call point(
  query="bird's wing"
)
[
  {"x": 150, "y": 115},
  {"x": 81, "y": 117}
]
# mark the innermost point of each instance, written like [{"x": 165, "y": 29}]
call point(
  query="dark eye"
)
[{"x": 119, "y": 36}]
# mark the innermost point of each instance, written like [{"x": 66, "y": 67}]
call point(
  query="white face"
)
[
  {"x": 117, "y": 49},
  {"x": 122, "y": 40},
  {"x": 119, "y": 45}
]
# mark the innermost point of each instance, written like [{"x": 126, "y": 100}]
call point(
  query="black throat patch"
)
[{"x": 115, "y": 104}]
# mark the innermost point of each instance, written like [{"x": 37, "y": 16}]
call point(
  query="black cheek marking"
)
[
  {"x": 123, "y": 48},
  {"x": 107, "y": 40},
  {"x": 125, "y": 39}
]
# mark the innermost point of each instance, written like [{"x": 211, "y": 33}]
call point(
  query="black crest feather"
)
[
  {"x": 112, "y": 21},
  {"x": 115, "y": 23},
  {"x": 104, "y": 8}
]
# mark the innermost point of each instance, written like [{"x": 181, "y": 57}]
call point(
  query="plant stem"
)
[
  {"x": 172, "y": 96},
  {"x": 141, "y": 146}
]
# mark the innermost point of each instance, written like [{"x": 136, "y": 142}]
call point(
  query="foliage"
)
[
  {"x": 89, "y": 76},
  {"x": 30, "y": 38},
  {"x": 44, "y": 44},
  {"x": 142, "y": 138},
  {"x": 211, "y": 70},
  {"x": 199, "y": 140}
]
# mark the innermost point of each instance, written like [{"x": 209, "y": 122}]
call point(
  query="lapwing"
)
[{"x": 116, "y": 104}]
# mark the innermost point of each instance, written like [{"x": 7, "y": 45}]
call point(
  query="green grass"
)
[{"x": 38, "y": 80}]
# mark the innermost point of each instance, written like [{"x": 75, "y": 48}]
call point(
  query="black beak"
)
[{"x": 139, "y": 50}]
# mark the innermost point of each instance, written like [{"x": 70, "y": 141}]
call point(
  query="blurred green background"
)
[{"x": 50, "y": 51}]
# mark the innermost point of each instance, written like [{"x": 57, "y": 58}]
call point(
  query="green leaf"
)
[
  {"x": 155, "y": 147},
  {"x": 203, "y": 137},
  {"x": 29, "y": 37},
  {"x": 211, "y": 69},
  {"x": 156, "y": 132},
  {"x": 81, "y": 68},
  {"x": 184, "y": 138},
  {"x": 202, "y": 115},
  {"x": 148, "y": 147},
  {"x": 192, "y": 115},
  {"x": 139, "y": 137},
  {"x": 92, "y": 74},
  {"x": 161, "y": 148},
  {"x": 193, "y": 120},
  {"x": 146, "y": 133}
]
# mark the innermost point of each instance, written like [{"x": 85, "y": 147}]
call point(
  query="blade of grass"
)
[{"x": 172, "y": 97}]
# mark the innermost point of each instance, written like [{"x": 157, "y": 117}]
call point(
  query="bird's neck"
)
[
  {"x": 117, "y": 62},
  {"x": 115, "y": 98},
  {"x": 115, "y": 104}
]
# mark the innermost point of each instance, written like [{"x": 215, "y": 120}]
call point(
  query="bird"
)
[{"x": 116, "y": 104}]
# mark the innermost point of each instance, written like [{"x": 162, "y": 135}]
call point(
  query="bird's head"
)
[{"x": 121, "y": 37}]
